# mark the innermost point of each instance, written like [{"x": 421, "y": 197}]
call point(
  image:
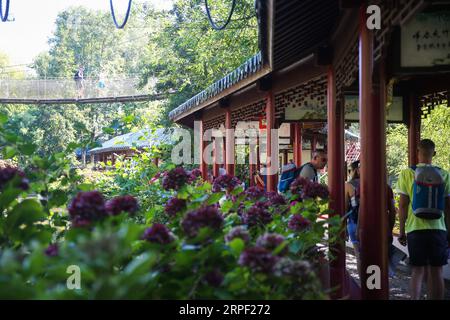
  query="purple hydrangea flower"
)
[
  {"x": 120, "y": 204},
  {"x": 254, "y": 193},
  {"x": 204, "y": 217},
  {"x": 258, "y": 259},
  {"x": 194, "y": 175},
  {"x": 298, "y": 223},
  {"x": 214, "y": 278},
  {"x": 87, "y": 207},
  {"x": 299, "y": 184},
  {"x": 158, "y": 233},
  {"x": 52, "y": 250},
  {"x": 294, "y": 268},
  {"x": 8, "y": 173},
  {"x": 175, "y": 179},
  {"x": 314, "y": 190},
  {"x": 271, "y": 241},
  {"x": 257, "y": 214},
  {"x": 276, "y": 199},
  {"x": 225, "y": 182},
  {"x": 238, "y": 232},
  {"x": 174, "y": 206}
]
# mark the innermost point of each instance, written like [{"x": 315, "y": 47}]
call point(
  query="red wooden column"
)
[
  {"x": 372, "y": 211},
  {"x": 229, "y": 143},
  {"x": 298, "y": 144},
  {"x": 336, "y": 179},
  {"x": 270, "y": 124},
  {"x": 258, "y": 154},
  {"x": 202, "y": 146},
  {"x": 414, "y": 123}
]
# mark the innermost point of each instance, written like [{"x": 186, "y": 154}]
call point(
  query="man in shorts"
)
[{"x": 426, "y": 238}]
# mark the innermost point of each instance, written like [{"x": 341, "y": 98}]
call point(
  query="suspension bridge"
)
[{"x": 69, "y": 91}]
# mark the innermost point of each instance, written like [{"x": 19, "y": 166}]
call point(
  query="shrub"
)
[{"x": 215, "y": 241}]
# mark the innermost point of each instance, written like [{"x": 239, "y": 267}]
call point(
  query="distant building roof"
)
[{"x": 140, "y": 139}]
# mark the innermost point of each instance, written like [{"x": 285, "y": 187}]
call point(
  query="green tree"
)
[
  {"x": 435, "y": 127},
  {"x": 186, "y": 54}
]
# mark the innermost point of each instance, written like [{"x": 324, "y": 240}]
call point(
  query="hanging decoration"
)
[
  {"x": 213, "y": 24},
  {"x": 4, "y": 17},
  {"x": 113, "y": 14}
]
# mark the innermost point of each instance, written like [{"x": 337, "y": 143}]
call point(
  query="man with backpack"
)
[
  {"x": 423, "y": 208},
  {"x": 309, "y": 169}
]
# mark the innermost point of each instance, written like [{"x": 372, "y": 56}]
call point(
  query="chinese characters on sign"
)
[{"x": 425, "y": 40}]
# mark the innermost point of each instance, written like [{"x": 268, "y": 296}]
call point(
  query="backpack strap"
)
[{"x": 304, "y": 165}]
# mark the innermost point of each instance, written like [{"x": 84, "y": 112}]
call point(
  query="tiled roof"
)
[
  {"x": 251, "y": 66},
  {"x": 139, "y": 139}
]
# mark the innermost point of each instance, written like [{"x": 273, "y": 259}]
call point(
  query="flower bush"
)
[{"x": 191, "y": 240}]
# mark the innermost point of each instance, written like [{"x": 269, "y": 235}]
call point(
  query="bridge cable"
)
[
  {"x": 4, "y": 18},
  {"x": 113, "y": 14},
  {"x": 212, "y": 23}
]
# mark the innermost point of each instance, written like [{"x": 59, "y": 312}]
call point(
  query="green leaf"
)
[
  {"x": 86, "y": 187},
  {"x": 141, "y": 264},
  {"x": 26, "y": 212},
  {"x": 58, "y": 198},
  {"x": 72, "y": 146},
  {"x": 3, "y": 118},
  {"x": 7, "y": 196},
  {"x": 27, "y": 149},
  {"x": 226, "y": 206},
  {"x": 9, "y": 152},
  {"x": 108, "y": 130},
  {"x": 237, "y": 245},
  {"x": 214, "y": 198}
]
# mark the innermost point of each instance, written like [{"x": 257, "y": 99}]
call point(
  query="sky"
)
[{"x": 26, "y": 36}]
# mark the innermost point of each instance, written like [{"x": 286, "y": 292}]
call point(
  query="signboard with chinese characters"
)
[
  {"x": 318, "y": 112},
  {"x": 425, "y": 43}
]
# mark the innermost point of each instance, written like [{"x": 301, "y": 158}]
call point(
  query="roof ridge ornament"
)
[{"x": 212, "y": 23}]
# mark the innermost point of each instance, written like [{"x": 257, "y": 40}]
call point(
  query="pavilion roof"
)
[{"x": 144, "y": 138}]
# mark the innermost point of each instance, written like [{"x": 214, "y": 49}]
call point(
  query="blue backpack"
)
[
  {"x": 428, "y": 198},
  {"x": 287, "y": 177}
]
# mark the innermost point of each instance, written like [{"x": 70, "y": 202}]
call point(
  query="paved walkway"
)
[{"x": 398, "y": 284}]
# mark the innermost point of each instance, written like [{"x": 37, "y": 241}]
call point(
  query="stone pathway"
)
[{"x": 398, "y": 283}]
